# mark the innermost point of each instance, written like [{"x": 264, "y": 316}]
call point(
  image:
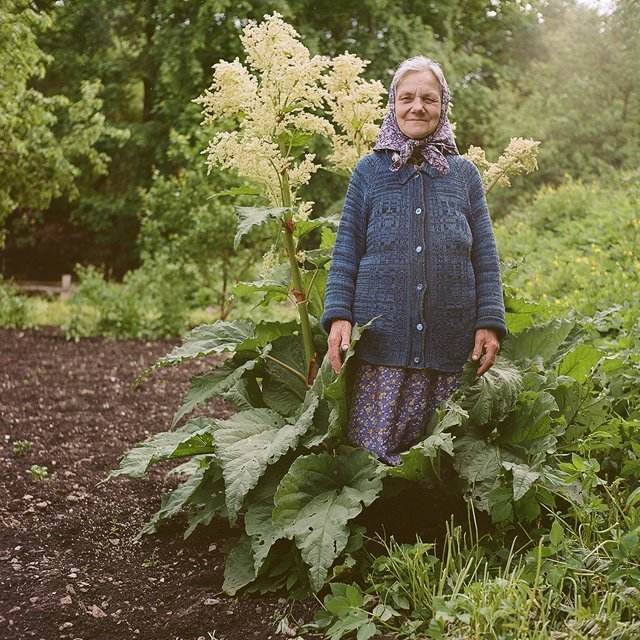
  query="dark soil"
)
[{"x": 68, "y": 565}]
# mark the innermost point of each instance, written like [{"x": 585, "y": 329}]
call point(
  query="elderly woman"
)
[{"x": 415, "y": 253}]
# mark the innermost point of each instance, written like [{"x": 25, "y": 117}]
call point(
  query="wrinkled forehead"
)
[{"x": 442, "y": 84}]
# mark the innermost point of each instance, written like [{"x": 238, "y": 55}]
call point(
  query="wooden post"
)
[{"x": 65, "y": 291}]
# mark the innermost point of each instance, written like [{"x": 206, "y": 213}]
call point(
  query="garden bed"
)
[{"x": 69, "y": 567}]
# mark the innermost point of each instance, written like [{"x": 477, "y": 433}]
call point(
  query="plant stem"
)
[
  {"x": 301, "y": 299},
  {"x": 295, "y": 372}
]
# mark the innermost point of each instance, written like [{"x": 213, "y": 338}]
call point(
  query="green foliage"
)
[
  {"x": 14, "y": 310},
  {"x": 149, "y": 304},
  {"x": 561, "y": 586},
  {"x": 44, "y": 140},
  {"x": 588, "y": 127},
  {"x": 533, "y": 435},
  {"x": 576, "y": 246},
  {"x": 22, "y": 447},
  {"x": 39, "y": 473},
  {"x": 317, "y": 498}
]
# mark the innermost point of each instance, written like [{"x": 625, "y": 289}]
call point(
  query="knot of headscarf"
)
[{"x": 431, "y": 148}]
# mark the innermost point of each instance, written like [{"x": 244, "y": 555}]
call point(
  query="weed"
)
[{"x": 22, "y": 447}]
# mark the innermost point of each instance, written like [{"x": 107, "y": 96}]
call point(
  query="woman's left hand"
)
[{"x": 486, "y": 342}]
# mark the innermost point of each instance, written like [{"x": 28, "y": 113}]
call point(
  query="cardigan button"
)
[
  {"x": 418, "y": 249},
  {"x": 416, "y": 175},
  {"x": 418, "y": 210},
  {"x": 419, "y": 326},
  {"x": 419, "y": 286},
  {"x": 416, "y": 360}
]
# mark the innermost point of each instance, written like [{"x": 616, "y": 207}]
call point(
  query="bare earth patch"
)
[{"x": 68, "y": 565}]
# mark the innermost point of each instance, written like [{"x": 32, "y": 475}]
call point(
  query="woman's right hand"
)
[{"x": 338, "y": 341}]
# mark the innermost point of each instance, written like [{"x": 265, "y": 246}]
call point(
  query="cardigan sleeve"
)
[
  {"x": 347, "y": 251},
  {"x": 490, "y": 313}
]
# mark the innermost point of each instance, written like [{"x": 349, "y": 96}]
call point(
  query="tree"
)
[
  {"x": 581, "y": 94},
  {"x": 44, "y": 140}
]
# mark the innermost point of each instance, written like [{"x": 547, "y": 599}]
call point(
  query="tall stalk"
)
[{"x": 298, "y": 289}]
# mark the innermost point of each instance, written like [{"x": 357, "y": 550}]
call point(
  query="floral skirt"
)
[{"x": 389, "y": 407}]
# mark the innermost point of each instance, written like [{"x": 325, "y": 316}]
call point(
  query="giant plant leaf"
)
[
  {"x": 245, "y": 394},
  {"x": 239, "y": 570},
  {"x": 248, "y": 442},
  {"x": 173, "y": 501},
  {"x": 282, "y": 389},
  {"x": 417, "y": 463},
  {"x": 208, "y": 385},
  {"x": 249, "y": 217},
  {"x": 207, "y": 500},
  {"x": 258, "y": 522},
  {"x": 529, "y": 428},
  {"x": 519, "y": 313},
  {"x": 492, "y": 396},
  {"x": 208, "y": 339},
  {"x": 305, "y": 226},
  {"x": 336, "y": 390},
  {"x": 268, "y": 330},
  {"x": 244, "y": 288},
  {"x": 579, "y": 362},
  {"x": 316, "y": 500},
  {"x": 542, "y": 341},
  {"x": 523, "y": 478},
  {"x": 314, "y": 283},
  {"x": 475, "y": 459},
  {"x": 194, "y": 438}
]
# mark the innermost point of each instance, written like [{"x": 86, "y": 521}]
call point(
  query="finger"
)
[
  {"x": 477, "y": 349},
  {"x": 346, "y": 336},
  {"x": 334, "y": 359},
  {"x": 486, "y": 365}
]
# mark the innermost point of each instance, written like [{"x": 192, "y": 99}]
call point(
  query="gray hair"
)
[{"x": 418, "y": 63}]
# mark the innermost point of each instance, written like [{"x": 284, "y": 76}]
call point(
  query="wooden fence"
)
[{"x": 63, "y": 288}]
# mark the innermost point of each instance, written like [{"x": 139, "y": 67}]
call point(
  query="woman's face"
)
[{"x": 417, "y": 103}]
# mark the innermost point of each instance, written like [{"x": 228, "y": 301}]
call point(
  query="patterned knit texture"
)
[
  {"x": 390, "y": 407},
  {"x": 415, "y": 250}
]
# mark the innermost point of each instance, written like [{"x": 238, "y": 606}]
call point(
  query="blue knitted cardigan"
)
[{"x": 416, "y": 249}]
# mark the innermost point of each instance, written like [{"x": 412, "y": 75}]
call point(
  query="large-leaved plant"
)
[{"x": 280, "y": 460}]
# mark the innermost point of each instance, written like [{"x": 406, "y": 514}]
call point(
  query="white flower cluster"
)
[
  {"x": 519, "y": 156},
  {"x": 270, "y": 263},
  {"x": 355, "y": 106},
  {"x": 280, "y": 99}
]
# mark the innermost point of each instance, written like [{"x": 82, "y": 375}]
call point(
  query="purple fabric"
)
[
  {"x": 432, "y": 147},
  {"x": 391, "y": 406}
]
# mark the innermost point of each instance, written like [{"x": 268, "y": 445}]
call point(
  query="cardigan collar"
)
[{"x": 407, "y": 171}]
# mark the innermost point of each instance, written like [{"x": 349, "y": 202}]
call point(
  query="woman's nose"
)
[{"x": 417, "y": 105}]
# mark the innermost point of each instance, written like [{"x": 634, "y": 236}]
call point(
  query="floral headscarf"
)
[{"x": 431, "y": 147}]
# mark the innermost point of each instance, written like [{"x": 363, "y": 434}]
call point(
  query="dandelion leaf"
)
[{"x": 316, "y": 500}]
